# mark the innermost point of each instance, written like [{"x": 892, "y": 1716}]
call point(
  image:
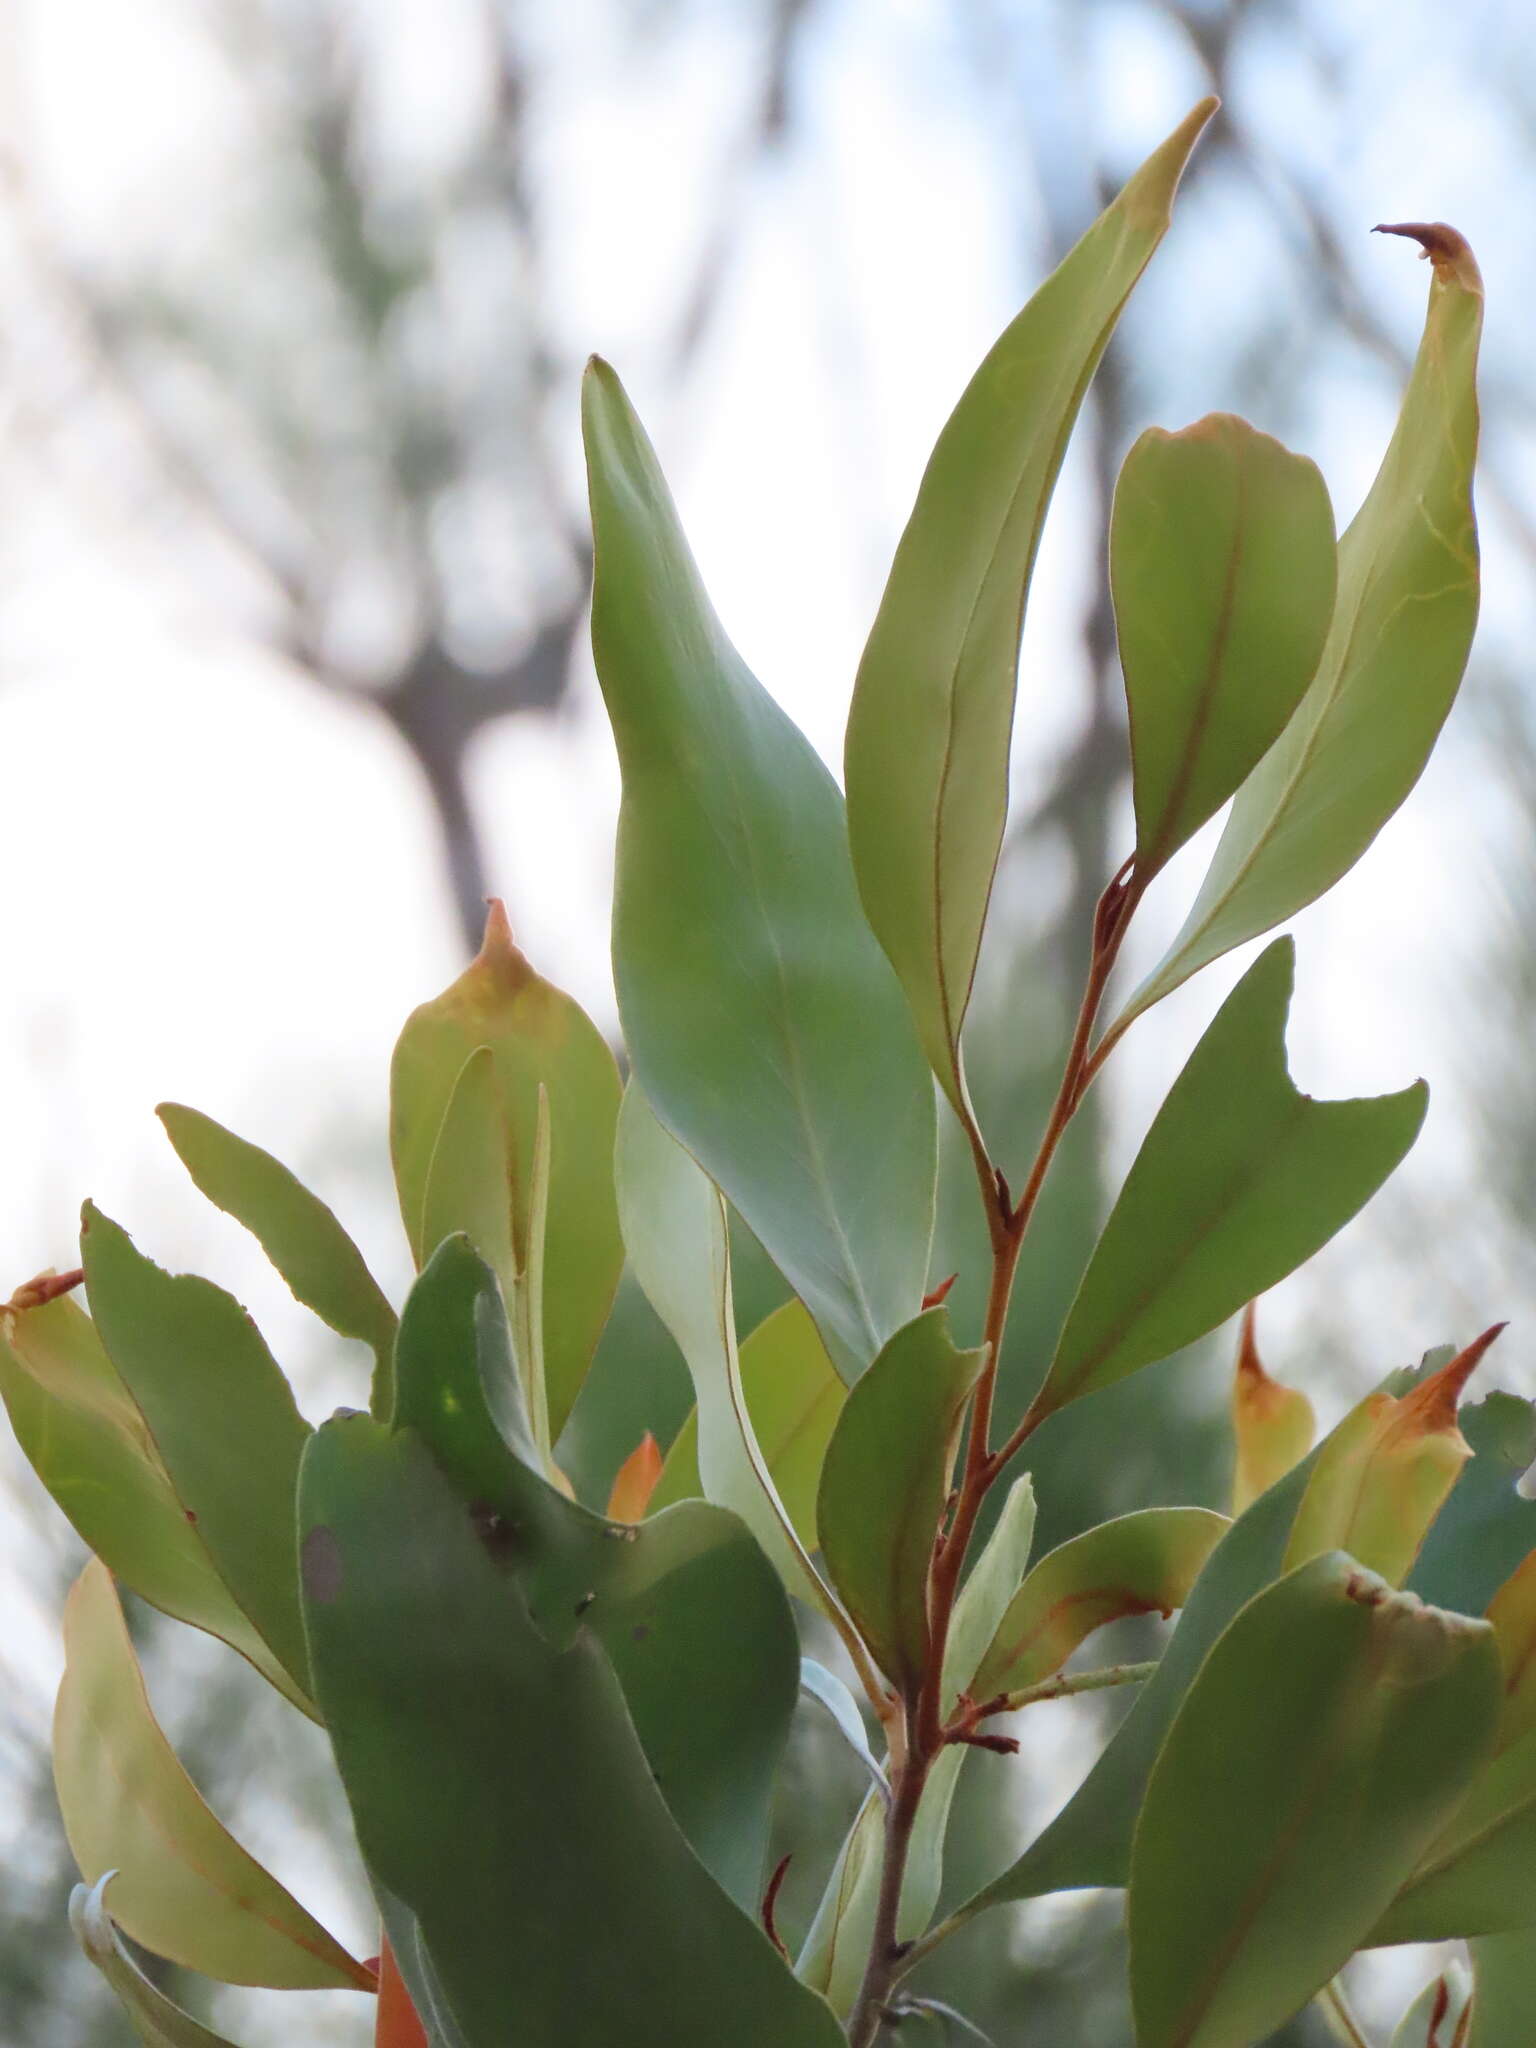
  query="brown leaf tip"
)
[
  {"x": 1444, "y": 245},
  {"x": 45, "y": 1287},
  {"x": 1432, "y": 1405}
]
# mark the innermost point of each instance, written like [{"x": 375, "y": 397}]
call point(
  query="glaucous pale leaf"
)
[
  {"x": 817, "y": 1683},
  {"x": 185, "y": 1887},
  {"x": 1487, "y": 1526},
  {"x": 1240, "y": 1180},
  {"x": 989, "y": 1591},
  {"x": 157, "y": 2020},
  {"x": 222, "y": 1417},
  {"x": 883, "y": 1486},
  {"x": 323, "y": 1267},
  {"x": 793, "y": 1396},
  {"x": 1222, "y": 564},
  {"x": 1333, "y": 1729},
  {"x": 661, "y": 1598},
  {"x": 836, "y": 1945},
  {"x": 499, "y": 1789},
  {"x": 1272, "y": 1425},
  {"x": 675, "y": 1230},
  {"x": 765, "y": 1025},
  {"x": 926, "y": 761},
  {"x": 1143, "y": 1563},
  {"x": 538, "y": 1038},
  {"x": 1402, "y": 628},
  {"x": 90, "y": 1446},
  {"x": 1385, "y": 1472}
]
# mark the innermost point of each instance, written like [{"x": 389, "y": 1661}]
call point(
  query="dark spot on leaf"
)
[
  {"x": 320, "y": 1566},
  {"x": 584, "y": 1603},
  {"x": 640, "y": 1631},
  {"x": 494, "y": 1530},
  {"x": 191, "y": 1514}
]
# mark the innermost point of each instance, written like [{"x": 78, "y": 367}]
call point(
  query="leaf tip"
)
[
  {"x": 1444, "y": 246},
  {"x": 1432, "y": 1405}
]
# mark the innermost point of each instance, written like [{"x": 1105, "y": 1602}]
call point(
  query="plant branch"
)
[
  {"x": 923, "y": 1730},
  {"x": 1067, "y": 1684}
]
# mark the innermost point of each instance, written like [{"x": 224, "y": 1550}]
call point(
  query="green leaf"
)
[
  {"x": 538, "y": 1038},
  {"x": 1486, "y": 1528},
  {"x": 156, "y": 2020},
  {"x": 926, "y": 761},
  {"x": 185, "y": 1888},
  {"x": 322, "y": 1266},
  {"x": 222, "y": 1418},
  {"x": 1479, "y": 1875},
  {"x": 1143, "y": 1563},
  {"x": 1331, "y": 1732},
  {"x": 1402, "y": 628},
  {"x": 1240, "y": 1179},
  {"x": 499, "y": 1789},
  {"x": 793, "y": 1397},
  {"x": 765, "y": 1026},
  {"x": 91, "y": 1447},
  {"x": 836, "y": 1946},
  {"x": 883, "y": 1487},
  {"x": 674, "y": 1222},
  {"x": 1504, "y": 1990},
  {"x": 660, "y": 1598},
  {"x": 1088, "y": 1844},
  {"x": 1222, "y": 565}
]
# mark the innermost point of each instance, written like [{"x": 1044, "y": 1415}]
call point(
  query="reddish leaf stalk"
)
[{"x": 923, "y": 1729}]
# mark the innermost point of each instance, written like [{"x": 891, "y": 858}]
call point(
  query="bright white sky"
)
[{"x": 222, "y": 885}]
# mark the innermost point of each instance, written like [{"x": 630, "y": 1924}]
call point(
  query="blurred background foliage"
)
[{"x": 306, "y": 371}]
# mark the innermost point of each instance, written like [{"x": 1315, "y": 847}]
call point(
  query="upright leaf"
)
[
  {"x": 1222, "y": 564},
  {"x": 675, "y": 1230},
  {"x": 1240, "y": 1179},
  {"x": 1142, "y": 1563},
  {"x": 538, "y": 1038},
  {"x": 765, "y": 1027},
  {"x": 1402, "y": 629},
  {"x": 322, "y": 1266},
  {"x": 661, "y": 1599},
  {"x": 222, "y": 1418},
  {"x": 186, "y": 1888},
  {"x": 499, "y": 1789},
  {"x": 793, "y": 1398},
  {"x": 91, "y": 1447},
  {"x": 928, "y": 735},
  {"x": 883, "y": 1486},
  {"x": 157, "y": 2020},
  {"x": 1332, "y": 1731}
]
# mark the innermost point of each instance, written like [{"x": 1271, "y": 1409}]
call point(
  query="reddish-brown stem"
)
[{"x": 923, "y": 1729}]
